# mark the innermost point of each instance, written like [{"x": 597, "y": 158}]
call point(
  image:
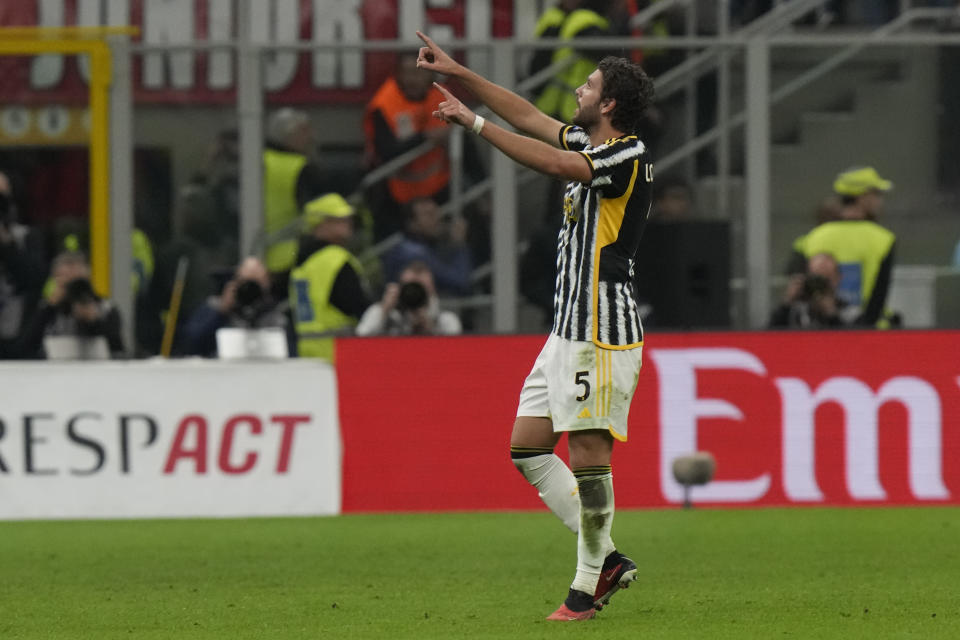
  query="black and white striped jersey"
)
[{"x": 594, "y": 299}]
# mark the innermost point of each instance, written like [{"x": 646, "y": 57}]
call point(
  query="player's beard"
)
[{"x": 586, "y": 116}]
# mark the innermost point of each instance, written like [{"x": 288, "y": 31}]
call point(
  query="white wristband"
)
[{"x": 478, "y": 124}]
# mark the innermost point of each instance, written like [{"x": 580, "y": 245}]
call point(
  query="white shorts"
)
[{"x": 579, "y": 385}]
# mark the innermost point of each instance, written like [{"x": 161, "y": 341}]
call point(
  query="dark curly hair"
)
[{"x": 631, "y": 88}]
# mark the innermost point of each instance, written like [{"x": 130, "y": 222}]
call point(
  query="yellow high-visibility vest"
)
[
  {"x": 558, "y": 98},
  {"x": 315, "y": 319},
  {"x": 281, "y": 169},
  {"x": 859, "y": 246}
]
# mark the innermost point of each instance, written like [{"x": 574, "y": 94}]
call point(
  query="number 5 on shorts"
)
[{"x": 581, "y": 378}]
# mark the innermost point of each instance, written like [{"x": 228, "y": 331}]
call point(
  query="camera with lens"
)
[
  {"x": 250, "y": 300},
  {"x": 412, "y": 296},
  {"x": 815, "y": 285},
  {"x": 78, "y": 291}
]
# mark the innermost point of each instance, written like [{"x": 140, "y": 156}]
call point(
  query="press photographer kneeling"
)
[
  {"x": 72, "y": 321},
  {"x": 244, "y": 302},
  {"x": 810, "y": 300},
  {"x": 409, "y": 306}
]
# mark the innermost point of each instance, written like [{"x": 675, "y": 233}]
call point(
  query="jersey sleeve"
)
[
  {"x": 573, "y": 138},
  {"x": 613, "y": 164}
]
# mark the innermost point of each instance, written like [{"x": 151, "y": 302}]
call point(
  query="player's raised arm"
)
[
  {"x": 519, "y": 112},
  {"x": 552, "y": 161}
]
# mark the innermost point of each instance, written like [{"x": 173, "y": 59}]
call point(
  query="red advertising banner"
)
[
  {"x": 333, "y": 74},
  {"x": 826, "y": 418}
]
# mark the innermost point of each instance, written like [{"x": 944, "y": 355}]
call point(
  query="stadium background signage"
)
[
  {"x": 208, "y": 77},
  {"x": 168, "y": 439},
  {"x": 846, "y": 418},
  {"x": 830, "y": 418}
]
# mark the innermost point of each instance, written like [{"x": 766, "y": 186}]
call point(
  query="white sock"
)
[
  {"x": 556, "y": 484},
  {"x": 596, "y": 521}
]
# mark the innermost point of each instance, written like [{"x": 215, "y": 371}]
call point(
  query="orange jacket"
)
[{"x": 429, "y": 173}]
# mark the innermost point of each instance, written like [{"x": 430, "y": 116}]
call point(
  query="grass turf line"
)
[{"x": 765, "y": 573}]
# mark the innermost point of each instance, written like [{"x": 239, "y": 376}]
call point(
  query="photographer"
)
[
  {"x": 72, "y": 309},
  {"x": 409, "y": 307},
  {"x": 244, "y": 302},
  {"x": 811, "y": 301},
  {"x": 21, "y": 270}
]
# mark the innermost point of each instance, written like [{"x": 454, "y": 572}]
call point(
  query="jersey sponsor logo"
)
[{"x": 573, "y": 203}]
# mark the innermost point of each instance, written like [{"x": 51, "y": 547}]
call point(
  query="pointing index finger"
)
[
  {"x": 426, "y": 39},
  {"x": 446, "y": 94}
]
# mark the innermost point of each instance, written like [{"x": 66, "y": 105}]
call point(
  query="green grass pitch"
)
[{"x": 705, "y": 574}]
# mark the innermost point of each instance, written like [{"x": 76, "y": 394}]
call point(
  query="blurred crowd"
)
[
  {"x": 392, "y": 256},
  {"x": 327, "y": 261}
]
